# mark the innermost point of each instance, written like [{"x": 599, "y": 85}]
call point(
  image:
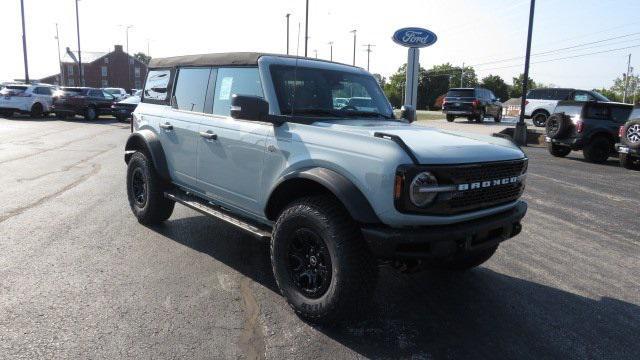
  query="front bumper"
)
[
  {"x": 434, "y": 242},
  {"x": 624, "y": 149}
]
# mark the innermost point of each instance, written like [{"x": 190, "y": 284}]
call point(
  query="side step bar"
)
[{"x": 217, "y": 212}]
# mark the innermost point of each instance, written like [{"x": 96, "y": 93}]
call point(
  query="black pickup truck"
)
[
  {"x": 590, "y": 126},
  {"x": 471, "y": 103}
]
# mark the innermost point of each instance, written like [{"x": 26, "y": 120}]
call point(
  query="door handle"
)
[
  {"x": 166, "y": 126},
  {"x": 208, "y": 135}
]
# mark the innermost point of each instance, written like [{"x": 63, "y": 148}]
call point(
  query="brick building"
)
[{"x": 102, "y": 69}]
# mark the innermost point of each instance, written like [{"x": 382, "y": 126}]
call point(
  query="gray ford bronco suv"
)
[{"x": 258, "y": 141}]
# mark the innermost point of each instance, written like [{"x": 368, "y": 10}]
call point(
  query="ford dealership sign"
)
[{"x": 414, "y": 37}]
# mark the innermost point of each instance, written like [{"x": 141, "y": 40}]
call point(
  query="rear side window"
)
[
  {"x": 157, "y": 85},
  {"x": 635, "y": 114},
  {"x": 597, "y": 111},
  {"x": 582, "y": 96},
  {"x": 620, "y": 114},
  {"x": 461, "y": 93},
  {"x": 191, "y": 89},
  {"x": 569, "y": 110},
  {"x": 240, "y": 81}
]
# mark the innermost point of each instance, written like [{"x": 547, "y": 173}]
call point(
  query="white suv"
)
[
  {"x": 118, "y": 93},
  {"x": 35, "y": 99},
  {"x": 541, "y": 103}
]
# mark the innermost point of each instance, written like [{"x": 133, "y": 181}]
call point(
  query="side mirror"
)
[
  {"x": 249, "y": 108},
  {"x": 408, "y": 112}
]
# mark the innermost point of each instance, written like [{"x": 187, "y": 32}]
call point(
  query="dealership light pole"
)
[
  {"x": 287, "y": 16},
  {"x": 24, "y": 45},
  {"x": 626, "y": 80},
  {"x": 330, "y": 43},
  {"x": 59, "y": 60},
  {"x": 306, "y": 28},
  {"x": 354, "y": 31},
  {"x": 368, "y": 46},
  {"x": 80, "y": 72},
  {"x": 520, "y": 132}
]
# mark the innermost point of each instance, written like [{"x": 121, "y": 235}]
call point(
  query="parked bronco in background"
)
[
  {"x": 260, "y": 142},
  {"x": 541, "y": 103},
  {"x": 471, "y": 103},
  {"x": 629, "y": 146},
  {"x": 588, "y": 126}
]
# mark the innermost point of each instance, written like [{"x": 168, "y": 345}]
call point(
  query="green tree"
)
[
  {"x": 619, "y": 84},
  {"x": 610, "y": 94},
  {"x": 497, "y": 85},
  {"x": 382, "y": 81},
  {"x": 516, "y": 88},
  {"x": 142, "y": 57},
  {"x": 394, "y": 88}
]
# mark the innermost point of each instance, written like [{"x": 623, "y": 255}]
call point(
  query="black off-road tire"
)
[
  {"x": 470, "y": 118},
  {"x": 36, "y": 111},
  {"x": 121, "y": 118},
  {"x": 498, "y": 116},
  {"x": 597, "y": 150},
  {"x": 450, "y": 118},
  {"x": 558, "y": 150},
  {"x": 557, "y": 126},
  {"x": 540, "y": 118},
  {"x": 90, "y": 113},
  {"x": 353, "y": 274},
  {"x": 153, "y": 208},
  {"x": 62, "y": 116},
  {"x": 480, "y": 117},
  {"x": 631, "y": 134},
  {"x": 466, "y": 261},
  {"x": 629, "y": 162},
  {"x": 7, "y": 113}
]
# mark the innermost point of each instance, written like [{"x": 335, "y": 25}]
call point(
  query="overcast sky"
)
[{"x": 473, "y": 32}]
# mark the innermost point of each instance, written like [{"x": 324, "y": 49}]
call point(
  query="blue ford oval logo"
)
[{"x": 414, "y": 37}]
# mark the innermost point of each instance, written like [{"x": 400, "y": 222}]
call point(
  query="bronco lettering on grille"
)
[{"x": 486, "y": 184}]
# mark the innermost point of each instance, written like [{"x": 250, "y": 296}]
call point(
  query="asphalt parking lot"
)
[{"x": 80, "y": 278}]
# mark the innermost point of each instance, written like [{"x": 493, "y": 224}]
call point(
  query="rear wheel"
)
[
  {"x": 558, "y": 150},
  {"x": 36, "y": 110},
  {"x": 480, "y": 117},
  {"x": 597, "y": 150},
  {"x": 469, "y": 260},
  {"x": 629, "y": 162},
  {"x": 450, "y": 118},
  {"x": 539, "y": 119},
  {"x": 122, "y": 118},
  {"x": 90, "y": 113},
  {"x": 145, "y": 190},
  {"x": 498, "y": 116},
  {"x": 320, "y": 261}
]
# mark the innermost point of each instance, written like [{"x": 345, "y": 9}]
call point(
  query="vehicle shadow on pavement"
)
[{"x": 476, "y": 314}]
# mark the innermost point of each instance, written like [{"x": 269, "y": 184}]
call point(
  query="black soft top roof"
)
[{"x": 217, "y": 59}]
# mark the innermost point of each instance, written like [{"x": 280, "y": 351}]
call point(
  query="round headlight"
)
[{"x": 419, "y": 190}]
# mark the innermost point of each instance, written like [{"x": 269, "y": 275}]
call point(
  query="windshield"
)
[
  {"x": 13, "y": 89},
  {"x": 599, "y": 96},
  {"x": 113, "y": 91},
  {"x": 322, "y": 92}
]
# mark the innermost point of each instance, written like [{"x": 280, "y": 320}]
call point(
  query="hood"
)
[
  {"x": 130, "y": 100},
  {"x": 434, "y": 146}
]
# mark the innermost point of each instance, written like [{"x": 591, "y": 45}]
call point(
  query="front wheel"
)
[
  {"x": 320, "y": 261},
  {"x": 122, "y": 118},
  {"x": 90, "y": 113},
  {"x": 450, "y": 118},
  {"x": 145, "y": 190},
  {"x": 36, "y": 111},
  {"x": 469, "y": 260},
  {"x": 480, "y": 117},
  {"x": 498, "y": 116}
]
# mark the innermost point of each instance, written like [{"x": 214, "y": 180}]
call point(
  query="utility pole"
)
[
  {"x": 354, "y": 45},
  {"x": 316, "y": 53},
  {"x": 126, "y": 30},
  {"x": 330, "y": 50},
  {"x": 520, "y": 131},
  {"x": 79, "y": 51},
  {"x": 59, "y": 60},
  {"x": 368, "y": 46},
  {"x": 148, "y": 52},
  {"x": 626, "y": 79},
  {"x": 306, "y": 29},
  {"x": 287, "y": 16},
  {"x": 462, "y": 76},
  {"x": 24, "y": 45}
]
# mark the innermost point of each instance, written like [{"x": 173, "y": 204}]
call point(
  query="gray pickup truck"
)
[{"x": 261, "y": 142}]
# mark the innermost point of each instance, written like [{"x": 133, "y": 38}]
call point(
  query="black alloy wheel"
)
[
  {"x": 540, "y": 119},
  {"x": 139, "y": 187},
  {"x": 309, "y": 263}
]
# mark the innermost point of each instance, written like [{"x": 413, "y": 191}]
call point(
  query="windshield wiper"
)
[
  {"x": 318, "y": 112},
  {"x": 369, "y": 114}
]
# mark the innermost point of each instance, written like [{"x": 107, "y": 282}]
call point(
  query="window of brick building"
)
[
  {"x": 104, "y": 71},
  {"x": 69, "y": 69},
  {"x": 137, "y": 71}
]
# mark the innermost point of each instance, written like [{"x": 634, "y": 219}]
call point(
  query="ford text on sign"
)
[{"x": 414, "y": 37}]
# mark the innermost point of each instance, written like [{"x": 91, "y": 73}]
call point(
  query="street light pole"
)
[
  {"x": 368, "y": 46},
  {"x": 24, "y": 45},
  {"x": 354, "y": 45},
  {"x": 59, "y": 60},
  {"x": 626, "y": 80},
  {"x": 79, "y": 51},
  {"x": 330, "y": 50},
  {"x": 126, "y": 30},
  {"x": 287, "y": 16},
  {"x": 306, "y": 29},
  {"x": 520, "y": 132}
]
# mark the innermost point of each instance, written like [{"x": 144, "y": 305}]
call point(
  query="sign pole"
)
[{"x": 413, "y": 69}]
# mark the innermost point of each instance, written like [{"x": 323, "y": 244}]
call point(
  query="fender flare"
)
[
  {"x": 342, "y": 188},
  {"x": 147, "y": 141}
]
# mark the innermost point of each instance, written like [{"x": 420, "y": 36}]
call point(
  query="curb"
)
[{"x": 535, "y": 137}]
